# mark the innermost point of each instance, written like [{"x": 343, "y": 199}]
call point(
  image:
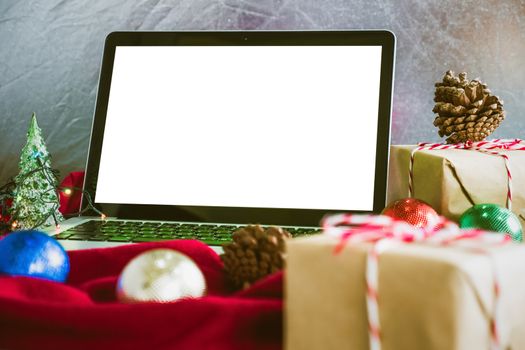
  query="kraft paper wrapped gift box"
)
[
  {"x": 453, "y": 180},
  {"x": 431, "y": 298}
]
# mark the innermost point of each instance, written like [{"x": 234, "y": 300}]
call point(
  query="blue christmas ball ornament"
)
[{"x": 33, "y": 254}]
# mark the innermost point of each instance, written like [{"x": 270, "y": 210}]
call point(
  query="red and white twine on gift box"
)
[
  {"x": 493, "y": 147},
  {"x": 383, "y": 231}
]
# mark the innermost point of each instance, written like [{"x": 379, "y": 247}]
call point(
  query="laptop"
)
[{"x": 196, "y": 134}]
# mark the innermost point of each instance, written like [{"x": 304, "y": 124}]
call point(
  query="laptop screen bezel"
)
[{"x": 292, "y": 217}]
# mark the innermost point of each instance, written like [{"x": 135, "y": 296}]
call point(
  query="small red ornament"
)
[
  {"x": 5, "y": 217},
  {"x": 413, "y": 211},
  {"x": 70, "y": 200}
]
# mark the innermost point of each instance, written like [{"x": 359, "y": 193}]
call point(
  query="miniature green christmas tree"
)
[{"x": 35, "y": 200}]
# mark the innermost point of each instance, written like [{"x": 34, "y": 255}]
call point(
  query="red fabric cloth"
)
[
  {"x": 83, "y": 313},
  {"x": 70, "y": 204}
]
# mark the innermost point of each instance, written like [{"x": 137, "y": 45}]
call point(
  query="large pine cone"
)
[
  {"x": 254, "y": 253},
  {"x": 466, "y": 110}
]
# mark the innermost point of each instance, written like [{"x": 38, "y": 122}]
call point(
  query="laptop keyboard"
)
[{"x": 136, "y": 231}]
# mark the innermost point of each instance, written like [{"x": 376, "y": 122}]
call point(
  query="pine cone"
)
[
  {"x": 466, "y": 110},
  {"x": 254, "y": 253}
]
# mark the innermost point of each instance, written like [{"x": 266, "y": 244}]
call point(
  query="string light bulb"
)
[
  {"x": 103, "y": 216},
  {"x": 68, "y": 192},
  {"x": 14, "y": 224}
]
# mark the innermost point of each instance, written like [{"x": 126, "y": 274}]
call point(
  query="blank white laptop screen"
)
[{"x": 250, "y": 126}]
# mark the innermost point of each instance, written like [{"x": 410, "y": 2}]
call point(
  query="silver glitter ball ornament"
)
[{"x": 160, "y": 275}]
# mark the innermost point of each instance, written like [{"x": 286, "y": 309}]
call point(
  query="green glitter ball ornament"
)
[{"x": 492, "y": 217}]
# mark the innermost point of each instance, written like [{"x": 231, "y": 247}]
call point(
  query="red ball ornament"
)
[{"x": 413, "y": 211}]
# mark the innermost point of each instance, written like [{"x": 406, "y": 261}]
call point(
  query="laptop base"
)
[{"x": 93, "y": 232}]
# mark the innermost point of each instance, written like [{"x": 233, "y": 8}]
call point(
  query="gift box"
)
[
  {"x": 453, "y": 180},
  {"x": 429, "y": 297}
]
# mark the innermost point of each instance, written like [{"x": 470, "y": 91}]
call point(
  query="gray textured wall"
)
[{"x": 50, "y": 56}]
